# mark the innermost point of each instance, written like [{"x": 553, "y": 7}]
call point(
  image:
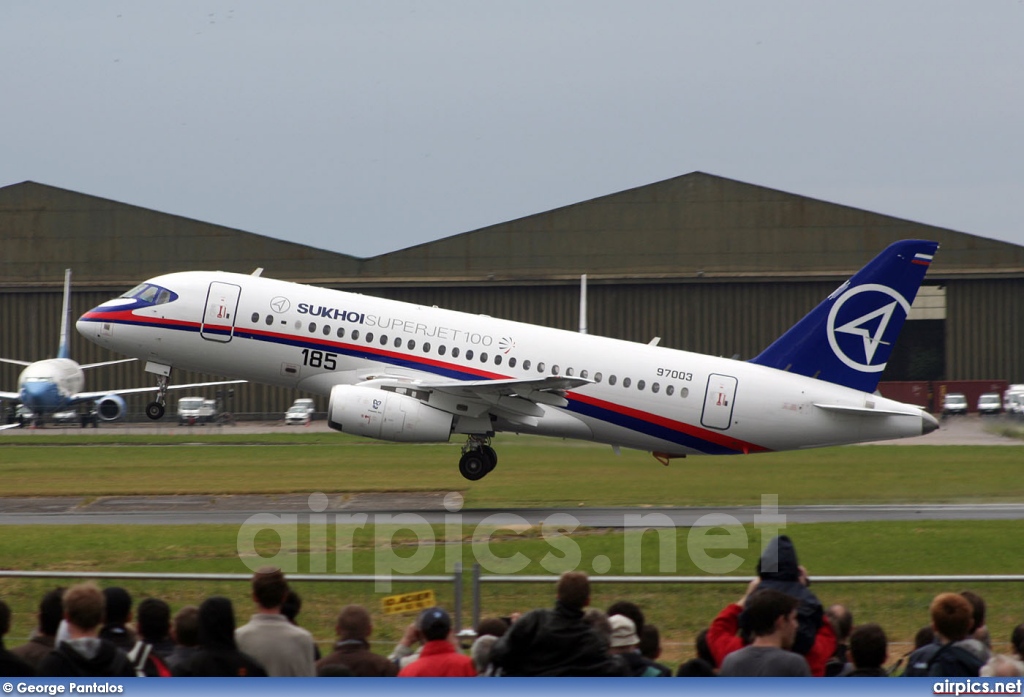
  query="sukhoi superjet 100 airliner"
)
[{"x": 403, "y": 372}]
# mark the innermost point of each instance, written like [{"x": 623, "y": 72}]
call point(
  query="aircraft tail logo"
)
[{"x": 849, "y": 337}]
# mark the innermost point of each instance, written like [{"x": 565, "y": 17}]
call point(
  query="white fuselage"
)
[
  {"x": 47, "y": 386},
  {"x": 645, "y": 397}
]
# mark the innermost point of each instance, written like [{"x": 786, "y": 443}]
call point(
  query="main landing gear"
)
[
  {"x": 478, "y": 458},
  {"x": 155, "y": 410}
]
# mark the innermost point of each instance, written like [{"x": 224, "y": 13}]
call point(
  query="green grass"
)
[{"x": 531, "y": 471}]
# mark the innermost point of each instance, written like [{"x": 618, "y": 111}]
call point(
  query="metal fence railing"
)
[{"x": 479, "y": 579}]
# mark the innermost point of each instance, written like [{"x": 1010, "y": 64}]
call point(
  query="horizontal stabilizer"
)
[{"x": 864, "y": 411}]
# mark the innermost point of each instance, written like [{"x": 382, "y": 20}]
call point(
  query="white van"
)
[
  {"x": 300, "y": 412},
  {"x": 196, "y": 410},
  {"x": 1013, "y": 401}
]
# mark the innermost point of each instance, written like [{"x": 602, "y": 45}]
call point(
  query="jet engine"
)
[
  {"x": 110, "y": 408},
  {"x": 373, "y": 413}
]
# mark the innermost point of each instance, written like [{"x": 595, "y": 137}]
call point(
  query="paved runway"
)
[{"x": 429, "y": 508}]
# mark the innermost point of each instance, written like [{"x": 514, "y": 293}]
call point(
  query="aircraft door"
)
[
  {"x": 718, "y": 402},
  {"x": 219, "y": 314}
]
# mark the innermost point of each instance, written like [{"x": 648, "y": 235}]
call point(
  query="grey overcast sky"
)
[{"x": 366, "y": 127}]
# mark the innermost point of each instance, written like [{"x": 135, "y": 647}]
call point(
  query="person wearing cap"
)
[
  {"x": 438, "y": 657},
  {"x": 626, "y": 644}
]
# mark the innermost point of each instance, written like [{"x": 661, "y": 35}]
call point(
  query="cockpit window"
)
[{"x": 149, "y": 293}]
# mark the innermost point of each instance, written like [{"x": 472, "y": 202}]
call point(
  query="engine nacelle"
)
[
  {"x": 110, "y": 408},
  {"x": 373, "y": 413}
]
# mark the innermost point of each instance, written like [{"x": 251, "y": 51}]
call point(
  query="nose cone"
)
[
  {"x": 928, "y": 423},
  {"x": 82, "y": 325},
  {"x": 40, "y": 395}
]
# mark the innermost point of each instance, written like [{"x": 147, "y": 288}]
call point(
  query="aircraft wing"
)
[
  {"x": 506, "y": 388},
  {"x": 515, "y": 399},
  {"x": 7, "y": 426},
  {"x": 97, "y": 365},
  {"x": 85, "y": 396},
  {"x": 14, "y": 362}
]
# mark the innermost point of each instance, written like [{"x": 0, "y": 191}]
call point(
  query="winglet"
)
[
  {"x": 65, "y": 320},
  {"x": 848, "y": 338}
]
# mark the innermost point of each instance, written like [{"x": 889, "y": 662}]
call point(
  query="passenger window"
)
[
  {"x": 298, "y": 324},
  {"x": 483, "y": 357},
  {"x": 327, "y": 330},
  {"x": 441, "y": 350},
  {"x": 526, "y": 364},
  {"x": 369, "y": 337},
  {"x": 255, "y": 317},
  {"x": 640, "y": 385},
  {"x": 597, "y": 377},
  {"x": 426, "y": 347},
  {"x": 312, "y": 327},
  {"x": 497, "y": 359},
  {"x": 355, "y": 334},
  {"x": 383, "y": 339},
  {"x": 469, "y": 354},
  {"x": 568, "y": 372},
  {"x": 512, "y": 362},
  {"x": 611, "y": 380},
  {"x": 655, "y": 388},
  {"x": 684, "y": 393},
  {"x": 270, "y": 320},
  {"x": 584, "y": 374},
  {"x": 554, "y": 370},
  {"x": 398, "y": 342},
  {"x": 341, "y": 332},
  {"x": 455, "y": 351},
  {"x": 626, "y": 382},
  {"x": 670, "y": 390},
  {"x": 410, "y": 344},
  {"x": 540, "y": 367}
]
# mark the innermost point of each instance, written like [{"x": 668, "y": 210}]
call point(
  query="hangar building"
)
[{"x": 707, "y": 263}]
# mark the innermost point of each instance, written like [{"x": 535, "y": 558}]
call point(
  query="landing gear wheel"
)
[
  {"x": 155, "y": 411},
  {"x": 474, "y": 465},
  {"x": 492, "y": 457}
]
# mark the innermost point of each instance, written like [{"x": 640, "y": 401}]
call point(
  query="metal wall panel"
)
[{"x": 985, "y": 330}]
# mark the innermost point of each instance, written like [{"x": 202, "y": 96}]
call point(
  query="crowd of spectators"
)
[{"x": 778, "y": 627}]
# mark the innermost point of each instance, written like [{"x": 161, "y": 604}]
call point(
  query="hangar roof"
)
[
  {"x": 45, "y": 229},
  {"x": 696, "y": 225}
]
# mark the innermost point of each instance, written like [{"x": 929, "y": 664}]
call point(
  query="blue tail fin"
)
[
  {"x": 848, "y": 338},
  {"x": 65, "y": 320}
]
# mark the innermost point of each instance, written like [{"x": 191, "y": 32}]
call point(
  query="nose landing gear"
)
[{"x": 155, "y": 410}]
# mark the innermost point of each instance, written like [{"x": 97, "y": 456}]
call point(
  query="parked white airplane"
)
[
  {"x": 403, "y": 372},
  {"x": 56, "y": 384}
]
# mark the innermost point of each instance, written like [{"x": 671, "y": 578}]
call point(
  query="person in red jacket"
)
[
  {"x": 438, "y": 657},
  {"x": 724, "y": 637}
]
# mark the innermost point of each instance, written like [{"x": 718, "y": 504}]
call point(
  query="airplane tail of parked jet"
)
[
  {"x": 848, "y": 338},
  {"x": 65, "y": 317}
]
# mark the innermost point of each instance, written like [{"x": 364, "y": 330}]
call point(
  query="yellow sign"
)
[{"x": 408, "y": 602}]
